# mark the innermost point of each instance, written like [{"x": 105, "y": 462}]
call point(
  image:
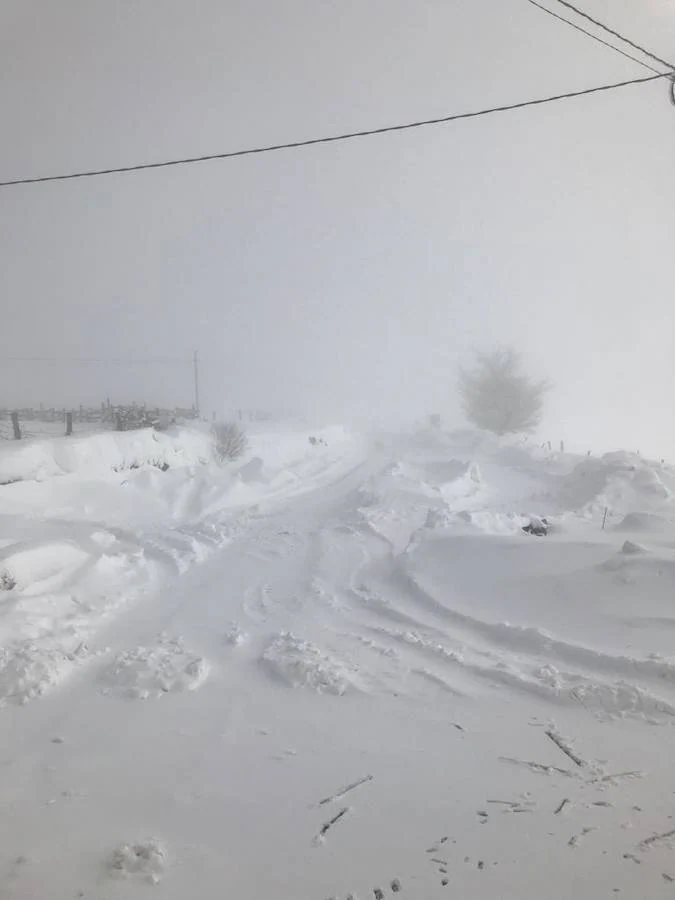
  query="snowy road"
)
[{"x": 379, "y": 686}]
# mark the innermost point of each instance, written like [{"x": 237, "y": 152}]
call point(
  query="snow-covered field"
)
[{"x": 374, "y": 682}]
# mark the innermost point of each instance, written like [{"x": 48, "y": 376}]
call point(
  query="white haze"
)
[{"x": 347, "y": 279}]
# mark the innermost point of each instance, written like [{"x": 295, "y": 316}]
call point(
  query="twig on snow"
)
[
  {"x": 346, "y": 789},
  {"x": 539, "y": 767},
  {"x": 575, "y": 840},
  {"x": 325, "y": 828},
  {"x": 566, "y": 749},
  {"x": 617, "y": 775},
  {"x": 655, "y": 838},
  {"x": 561, "y": 806}
]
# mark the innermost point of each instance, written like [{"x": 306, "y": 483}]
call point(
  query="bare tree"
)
[
  {"x": 230, "y": 441},
  {"x": 497, "y": 396}
]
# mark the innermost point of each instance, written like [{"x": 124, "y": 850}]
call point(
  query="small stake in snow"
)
[{"x": 15, "y": 426}]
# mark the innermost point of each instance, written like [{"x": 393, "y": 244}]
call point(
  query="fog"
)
[{"x": 347, "y": 280}]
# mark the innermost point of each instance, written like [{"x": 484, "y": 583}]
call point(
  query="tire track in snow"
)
[{"x": 522, "y": 657}]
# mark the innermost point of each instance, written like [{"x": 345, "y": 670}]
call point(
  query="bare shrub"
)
[{"x": 230, "y": 442}]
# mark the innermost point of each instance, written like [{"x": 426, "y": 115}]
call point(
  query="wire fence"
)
[{"x": 32, "y": 423}]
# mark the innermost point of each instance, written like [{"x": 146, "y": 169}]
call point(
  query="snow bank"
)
[
  {"x": 624, "y": 482},
  {"x": 650, "y": 523},
  {"x": 97, "y": 455},
  {"x": 92, "y": 523}
]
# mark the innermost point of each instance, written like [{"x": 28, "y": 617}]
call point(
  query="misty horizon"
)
[{"x": 347, "y": 281}]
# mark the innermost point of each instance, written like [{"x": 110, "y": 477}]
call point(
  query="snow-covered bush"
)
[
  {"x": 230, "y": 442},
  {"x": 7, "y": 581},
  {"x": 497, "y": 396}
]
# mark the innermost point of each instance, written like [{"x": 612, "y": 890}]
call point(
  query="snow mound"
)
[
  {"x": 634, "y": 560},
  {"x": 235, "y": 635},
  {"x": 486, "y": 521},
  {"x": 443, "y": 471},
  {"x": 467, "y": 483},
  {"x": 394, "y": 482},
  {"x": 145, "y": 860},
  {"x": 149, "y": 672},
  {"x": 302, "y": 664},
  {"x": 630, "y": 548},
  {"x": 645, "y": 522},
  {"x": 27, "y": 670},
  {"x": 624, "y": 482},
  {"x": 491, "y": 522},
  {"x": 610, "y": 700},
  {"x": 42, "y": 566},
  {"x": 440, "y": 517},
  {"x": 252, "y": 471}
]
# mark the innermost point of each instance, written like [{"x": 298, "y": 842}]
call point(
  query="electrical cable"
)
[
  {"x": 333, "y": 138},
  {"x": 621, "y": 37},
  {"x": 120, "y": 361},
  {"x": 593, "y": 36}
]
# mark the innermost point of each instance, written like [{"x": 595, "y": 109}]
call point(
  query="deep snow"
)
[{"x": 374, "y": 683}]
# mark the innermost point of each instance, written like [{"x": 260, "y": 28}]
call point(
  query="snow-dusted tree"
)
[{"x": 496, "y": 395}]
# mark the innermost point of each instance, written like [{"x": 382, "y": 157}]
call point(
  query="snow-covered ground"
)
[
  {"x": 91, "y": 523},
  {"x": 374, "y": 683}
]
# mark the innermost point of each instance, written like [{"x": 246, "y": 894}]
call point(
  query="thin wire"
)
[
  {"x": 88, "y": 360},
  {"x": 621, "y": 37},
  {"x": 333, "y": 138},
  {"x": 594, "y": 36}
]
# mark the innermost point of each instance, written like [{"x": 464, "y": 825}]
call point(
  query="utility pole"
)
[{"x": 195, "y": 361}]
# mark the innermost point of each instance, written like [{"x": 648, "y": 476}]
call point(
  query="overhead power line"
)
[
  {"x": 294, "y": 145},
  {"x": 595, "y": 37},
  {"x": 616, "y": 34},
  {"x": 76, "y": 361}
]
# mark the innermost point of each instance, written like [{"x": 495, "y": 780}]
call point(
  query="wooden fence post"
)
[
  {"x": 16, "y": 426},
  {"x": 69, "y": 424}
]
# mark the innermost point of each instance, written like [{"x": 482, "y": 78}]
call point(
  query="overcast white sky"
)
[{"x": 347, "y": 279}]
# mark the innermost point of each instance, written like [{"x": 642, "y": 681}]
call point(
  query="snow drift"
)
[{"x": 92, "y": 523}]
